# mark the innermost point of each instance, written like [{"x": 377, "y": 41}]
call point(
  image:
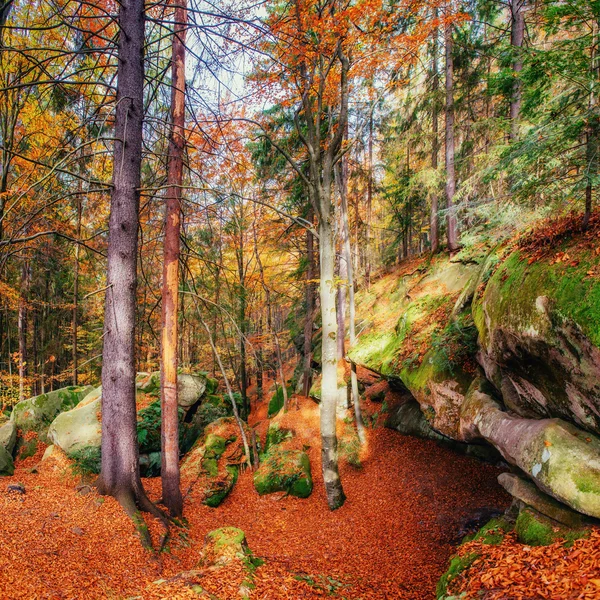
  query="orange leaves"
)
[{"x": 512, "y": 570}]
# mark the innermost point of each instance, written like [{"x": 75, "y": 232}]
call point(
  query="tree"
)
[
  {"x": 451, "y": 223},
  {"x": 171, "y": 492},
  {"x": 120, "y": 470}
]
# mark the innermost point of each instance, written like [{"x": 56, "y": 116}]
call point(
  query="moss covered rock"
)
[
  {"x": 7, "y": 466},
  {"x": 79, "y": 428},
  {"x": 37, "y": 413},
  {"x": 276, "y": 435},
  {"x": 539, "y": 335},
  {"x": 535, "y": 529},
  {"x": 8, "y": 435},
  {"x": 223, "y": 546},
  {"x": 431, "y": 347},
  {"x": 284, "y": 471},
  {"x": 213, "y": 463}
]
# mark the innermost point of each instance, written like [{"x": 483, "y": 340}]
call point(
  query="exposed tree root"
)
[{"x": 135, "y": 502}]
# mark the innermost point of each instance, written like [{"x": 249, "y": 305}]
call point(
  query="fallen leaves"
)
[
  {"x": 512, "y": 570},
  {"x": 391, "y": 539}
]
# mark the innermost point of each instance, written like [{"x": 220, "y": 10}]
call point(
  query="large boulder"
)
[
  {"x": 7, "y": 466},
  {"x": 212, "y": 465},
  {"x": 431, "y": 347},
  {"x": 539, "y": 336},
  {"x": 8, "y": 435},
  {"x": 80, "y": 428},
  {"x": 283, "y": 470},
  {"x": 190, "y": 387},
  {"x": 36, "y": 414},
  {"x": 561, "y": 459}
]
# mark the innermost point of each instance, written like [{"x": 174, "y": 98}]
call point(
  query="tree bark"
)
[
  {"x": 120, "y": 472},
  {"x": 171, "y": 492},
  {"x": 309, "y": 296},
  {"x": 327, "y": 292},
  {"x": 434, "y": 220},
  {"x": 22, "y": 327},
  {"x": 452, "y": 233},
  {"x": 517, "y": 34},
  {"x": 347, "y": 252}
]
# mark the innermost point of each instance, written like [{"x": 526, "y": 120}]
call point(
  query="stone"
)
[
  {"x": 190, "y": 389},
  {"x": 7, "y": 466},
  {"x": 8, "y": 435},
  {"x": 223, "y": 546},
  {"x": 561, "y": 459},
  {"x": 284, "y": 470},
  {"x": 79, "y": 428},
  {"x": 37, "y": 413},
  {"x": 528, "y": 493},
  {"x": 536, "y": 529}
]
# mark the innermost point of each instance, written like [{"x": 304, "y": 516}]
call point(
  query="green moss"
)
[
  {"x": 226, "y": 536},
  {"x": 214, "y": 445},
  {"x": 535, "y": 529},
  {"x": 276, "y": 402},
  {"x": 220, "y": 487},
  {"x": 458, "y": 564},
  {"x": 510, "y": 296},
  {"x": 493, "y": 532},
  {"x": 7, "y": 466},
  {"x": 37, "y": 413},
  {"x": 284, "y": 471},
  {"x": 276, "y": 435}
]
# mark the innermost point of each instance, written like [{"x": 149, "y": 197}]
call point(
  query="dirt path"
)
[{"x": 391, "y": 539}]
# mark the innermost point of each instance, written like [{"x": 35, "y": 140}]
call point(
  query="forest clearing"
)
[{"x": 300, "y": 299}]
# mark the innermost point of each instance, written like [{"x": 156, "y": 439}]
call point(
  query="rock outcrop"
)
[{"x": 504, "y": 348}]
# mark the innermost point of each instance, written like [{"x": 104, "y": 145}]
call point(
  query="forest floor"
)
[{"x": 391, "y": 539}]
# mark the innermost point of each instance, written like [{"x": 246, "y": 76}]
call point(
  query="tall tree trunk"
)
[
  {"x": 450, "y": 173},
  {"x": 434, "y": 221},
  {"x": 327, "y": 292},
  {"x": 347, "y": 252},
  {"x": 74, "y": 315},
  {"x": 22, "y": 327},
  {"x": 169, "y": 474},
  {"x": 593, "y": 127},
  {"x": 309, "y": 298},
  {"x": 259, "y": 358},
  {"x": 369, "y": 203},
  {"x": 120, "y": 471},
  {"x": 517, "y": 34},
  {"x": 342, "y": 279}
]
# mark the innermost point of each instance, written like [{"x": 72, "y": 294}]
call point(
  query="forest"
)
[{"x": 300, "y": 299}]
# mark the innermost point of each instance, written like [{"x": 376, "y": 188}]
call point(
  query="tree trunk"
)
[
  {"x": 450, "y": 174},
  {"x": 327, "y": 292},
  {"x": 74, "y": 316},
  {"x": 593, "y": 127},
  {"x": 347, "y": 252},
  {"x": 169, "y": 474},
  {"x": 517, "y": 33},
  {"x": 120, "y": 473},
  {"x": 22, "y": 327},
  {"x": 434, "y": 221},
  {"x": 309, "y": 295}
]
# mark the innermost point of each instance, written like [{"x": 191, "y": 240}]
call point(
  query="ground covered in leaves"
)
[
  {"x": 519, "y": 572},
  {"x": 392, "y": 538}
]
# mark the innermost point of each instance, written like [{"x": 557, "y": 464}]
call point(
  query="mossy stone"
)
[
  {"x": 458, "y": 564},
  {"x": 284, "y": 471},
  {"x": 535, "y": 529},
  {"x": 276, "y": 435},
  {"x": 37, "y": 413},
  {"x": 7, "y": 466}
]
